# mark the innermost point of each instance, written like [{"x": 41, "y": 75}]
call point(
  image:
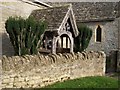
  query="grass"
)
[{"x": 87, "y": 82}]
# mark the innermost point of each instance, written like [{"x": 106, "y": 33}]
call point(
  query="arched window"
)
[{"x": 98, "y": 34}]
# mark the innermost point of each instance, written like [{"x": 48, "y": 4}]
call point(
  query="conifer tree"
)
[
  {"x": 25, "y": 34},
  {"x": 83, "y": 39}
]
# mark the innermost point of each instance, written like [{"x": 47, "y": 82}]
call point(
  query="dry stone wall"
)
[{"x": 34, "y": 71}]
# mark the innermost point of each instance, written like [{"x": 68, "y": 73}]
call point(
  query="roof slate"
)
[
  {"x": 84, "y": 12},
  {"x": 92, "y": 11},
  {"x": 52, "y": 16}
]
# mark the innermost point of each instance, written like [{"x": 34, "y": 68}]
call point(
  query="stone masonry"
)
[
  {"x": 35, "y": 71},
  {"x": 109, "y": 36}
]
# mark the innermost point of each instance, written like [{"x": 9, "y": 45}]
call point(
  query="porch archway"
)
[{"x": 69, "y": 37}]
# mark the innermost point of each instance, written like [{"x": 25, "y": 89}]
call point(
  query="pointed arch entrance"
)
[
  {"x": 59, "y": 35},
  {"x": 63, "y": 43}
]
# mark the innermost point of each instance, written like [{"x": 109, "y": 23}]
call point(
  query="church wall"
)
[
  {"x": 109, "y": 43},
  {"x": 109, "y": 36}
]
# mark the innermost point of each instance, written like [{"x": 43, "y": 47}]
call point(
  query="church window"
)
[{"x": 98, "y": 34}]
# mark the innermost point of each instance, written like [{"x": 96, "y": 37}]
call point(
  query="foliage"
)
[
  {"x": 25, "y": 34},
  {"x": 83, "y": 39},
  {"x": 87, "y": 82}
]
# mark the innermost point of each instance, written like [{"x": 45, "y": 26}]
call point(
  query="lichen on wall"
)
[{"x": 41, "y": 70}]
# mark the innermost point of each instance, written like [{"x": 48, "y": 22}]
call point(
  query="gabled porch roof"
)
[{"x": 56, "y": 17}]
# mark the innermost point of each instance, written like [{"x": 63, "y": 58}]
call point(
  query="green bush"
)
[
  {"x": 83, "y": 39},
  {"x": 25, "y": 34}
]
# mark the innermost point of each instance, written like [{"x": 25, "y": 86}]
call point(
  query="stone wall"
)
[
  {"x": 109, "y": 44},
  {"x": 7, "y": 9},
  {"x": 40, "y": 70},
  {"x": 109, "y": 36}
]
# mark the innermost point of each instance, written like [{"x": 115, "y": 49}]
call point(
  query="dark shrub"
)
[
  {"x": 83, "y": 39},
  {"x": 25, "y": 34}
]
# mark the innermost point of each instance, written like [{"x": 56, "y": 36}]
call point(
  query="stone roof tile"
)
[
  {"x": 92, "y": 11},
  {"x": 52, "y": 16}
]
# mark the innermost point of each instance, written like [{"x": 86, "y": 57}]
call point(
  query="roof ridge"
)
[
  {"x": 53, "y": 16},
  {"x": 54, "y": 7},
  {"x": 58, "y": 6}
]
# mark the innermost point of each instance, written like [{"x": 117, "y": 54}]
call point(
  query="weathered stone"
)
[
  {"x": 47, "y": 72},
  {"x": 19, "y": 84},
  {"x": 6, "y": 80},
  {"x": 32, "y": 82},
  {"x": 21, "y": 79},
  {"x": 27, "y": 79},
  {"x": 9, "y": 86}
]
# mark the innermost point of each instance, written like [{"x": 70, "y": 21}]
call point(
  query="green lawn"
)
[{"x": 88, "y": 82}]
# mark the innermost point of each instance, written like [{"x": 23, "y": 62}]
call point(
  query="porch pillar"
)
[
  {"x": 71, "y": 45},
  {"x": 54, "y": 45},
  {"x": 61, "y": 42},
  {"x": 66, "y": 42}
]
